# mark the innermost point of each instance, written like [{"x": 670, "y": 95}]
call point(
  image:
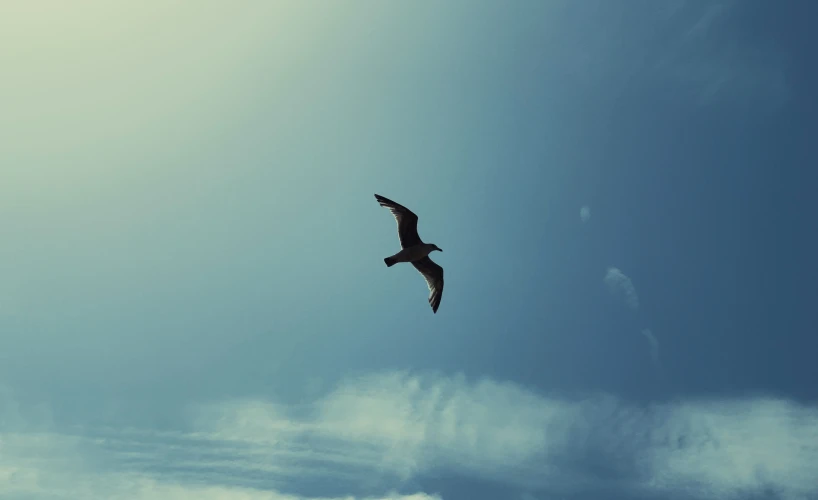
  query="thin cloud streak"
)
[
  {"x": 56, "y": 466},
  {"x": 654, "y": 346},
  {"x": 619, "y": 284},
  {"x": 711, "y": 60}
]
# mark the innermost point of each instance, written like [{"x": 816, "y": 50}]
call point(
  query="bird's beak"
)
[{"x": 440, "y": 249}]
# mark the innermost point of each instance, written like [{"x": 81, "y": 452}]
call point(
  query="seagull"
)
[{"x": 414, "y": 250}]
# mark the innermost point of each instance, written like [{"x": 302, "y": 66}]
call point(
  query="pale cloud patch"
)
[
  {"x": 585, "y": 213},
  {"x": 619, "y": 284}
]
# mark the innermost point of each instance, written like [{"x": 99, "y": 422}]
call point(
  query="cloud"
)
[
  {"x": 736, "y": 448},
  {"x": 53, "y": 483},
  {"x": 700, "y": 51},
  {"x": 654, "y": 346},
  {"x": 711, "y": 58},
  {"x": 400, "y": 426},
  {"x": 407, "y": 425},
  {"x": 378, "y": 433},
  {"x": 54, "y": 466},
  {"x": 619, "y": 284},
  {"x": 585, "y": 213}
]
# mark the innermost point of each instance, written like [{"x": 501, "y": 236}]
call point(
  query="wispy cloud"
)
[
  {"x": 60, "y": 466},
  {"x": 654, "y": 346},
  {"x": 53, "y": 482},
  {"x": 710, "y": 58},
  {"x": 384, "y": 430},
  {"x": 585, "y": 213},
  {"x": 700, "y": 49},
  {"x": 619, "y": 284}
]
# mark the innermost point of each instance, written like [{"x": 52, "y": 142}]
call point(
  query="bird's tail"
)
[{"x": 389, "y": 261}]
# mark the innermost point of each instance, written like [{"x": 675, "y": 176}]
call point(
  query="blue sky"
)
[{"x": 193, "y": 301}]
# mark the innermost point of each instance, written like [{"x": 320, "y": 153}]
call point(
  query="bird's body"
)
[
  {"x": 411, "y": 254},
  {"x": 414, "y": 250}
]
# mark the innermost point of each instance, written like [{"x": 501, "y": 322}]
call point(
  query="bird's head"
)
[{"x": 435, "y": 247}]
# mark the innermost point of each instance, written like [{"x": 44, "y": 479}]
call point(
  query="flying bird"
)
[{"x": 414, "y": 250}]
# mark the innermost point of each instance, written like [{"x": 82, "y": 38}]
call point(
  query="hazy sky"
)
[{"x": 193, "y": 300}]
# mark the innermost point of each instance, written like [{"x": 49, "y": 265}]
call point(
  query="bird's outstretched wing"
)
[
  {"x": 433, "y": 274},
  {"x": 406, "y": 219}
]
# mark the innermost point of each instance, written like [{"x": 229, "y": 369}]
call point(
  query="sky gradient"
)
[{"x": 193, "y": 300}]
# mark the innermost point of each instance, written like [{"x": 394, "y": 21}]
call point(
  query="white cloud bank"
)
[{"x": 384, "y": 431}]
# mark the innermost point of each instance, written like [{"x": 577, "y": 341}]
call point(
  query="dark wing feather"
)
[
  {"x": 433, "y": 274},
  {"x": 406, "y": 219}
]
